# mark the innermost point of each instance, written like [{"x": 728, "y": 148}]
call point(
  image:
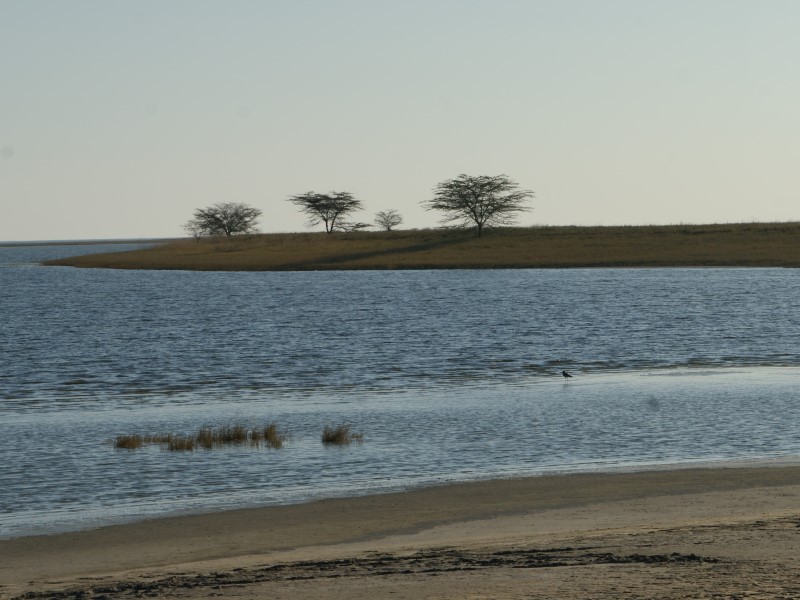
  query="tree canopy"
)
[
  {"x": 329, "y": 209},
  {"x": 481, "y": 201},
  {"x": 386, "y": 219},
  {"x": 223, "y": 218}
]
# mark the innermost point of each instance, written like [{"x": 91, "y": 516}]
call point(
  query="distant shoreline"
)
[
  {"x": 717, "y": 245},
  {"x": 85, "y": 242}
]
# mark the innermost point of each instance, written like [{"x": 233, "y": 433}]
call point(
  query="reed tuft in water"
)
[
  {"x": 269, "y": 436},
  {"x": 341, "y": 435},
  {"x": 164, "y": 438},
  {"x": 231, "y": 435},
  {"x": 129, "y": 442},
  {"x": 209, "y": 438},
  {"x": 206, "y": 438},
  {"x": 180, "y": 443}
]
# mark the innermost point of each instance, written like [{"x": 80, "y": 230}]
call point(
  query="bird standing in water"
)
[{"x": 566, "y": 376}]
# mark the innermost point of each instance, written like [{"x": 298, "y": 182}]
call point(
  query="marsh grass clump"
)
[
  {"x": 273, "y": 437},
  {"x": 269, "y": 436},
  {"x": 181, "y": 443},
  {"x": 163, "y": 438},
  {"x": 341, "y": 435},
  {"x": 129, "y": 442},
  {"x": 237, "y": 435},
  {"x": 205, "y": 438},
  {"x": 135, "y": 441},
  {"x": 232, "y": 435},
  {"x": 209, "y": 438}
]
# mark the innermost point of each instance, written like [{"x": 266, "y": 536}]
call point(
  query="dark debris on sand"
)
[{"x": 431, "y": 561}]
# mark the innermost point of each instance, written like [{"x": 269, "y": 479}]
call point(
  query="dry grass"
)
[
  {"x": 205, "y": 438},
  {"x": 129, "y": 442},
  {"x": 158, "y": 439},
  {"x": 181, "y": 443},
  {"x": 743, "y": 244},
  {"x": 269, "y": 435},
  {"x": 232, "y": 435},
  {"x": 209, "y": 438},
  {"x": 341, "y": 436}
]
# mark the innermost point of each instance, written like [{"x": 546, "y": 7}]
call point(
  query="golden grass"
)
[
  {"x": 742, "y": 244},
  {"x": 209, "y": 438},
  {"x": 341, "y": 436}
]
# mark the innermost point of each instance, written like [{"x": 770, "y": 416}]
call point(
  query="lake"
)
[{"x": 449, "y": 375}]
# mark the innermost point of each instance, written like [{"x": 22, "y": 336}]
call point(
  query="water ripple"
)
[{"x": 450, "y": 375}]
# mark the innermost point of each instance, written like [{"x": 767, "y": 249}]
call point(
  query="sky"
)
[{"x": 119, "y": 118}]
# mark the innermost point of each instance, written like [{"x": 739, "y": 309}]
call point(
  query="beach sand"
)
[{"x": 691, "y": 533}]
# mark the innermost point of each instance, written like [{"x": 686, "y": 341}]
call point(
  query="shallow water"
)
[{"x": 450, "y": 375}]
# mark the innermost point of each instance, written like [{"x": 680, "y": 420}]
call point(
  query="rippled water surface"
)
[{"x": 450, "y": 375}]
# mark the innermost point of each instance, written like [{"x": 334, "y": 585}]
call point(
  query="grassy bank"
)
[{"x": 746, "y": 244}]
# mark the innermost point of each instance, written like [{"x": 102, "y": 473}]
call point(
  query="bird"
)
[{"x": 566, "y": 376}]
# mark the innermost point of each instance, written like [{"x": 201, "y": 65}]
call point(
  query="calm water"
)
[{"x": 451, "y": 375}]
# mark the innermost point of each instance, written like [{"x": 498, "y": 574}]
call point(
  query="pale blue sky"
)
[{"x": 119, "y": 117}]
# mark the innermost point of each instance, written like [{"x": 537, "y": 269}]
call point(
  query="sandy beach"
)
[{"x": 691, "y": 533}]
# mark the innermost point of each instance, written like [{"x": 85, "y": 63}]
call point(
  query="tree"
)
[
  {"x": 386, "y": 219},
  {"x": 329, "y": 209},
  {"x": 194, "y": 228},
  {"x": 223, "y": 218},
  {"x": 482, "y": 201}
]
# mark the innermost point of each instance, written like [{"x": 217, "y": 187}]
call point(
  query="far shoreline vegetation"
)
[{"x": 712, "y": 245}]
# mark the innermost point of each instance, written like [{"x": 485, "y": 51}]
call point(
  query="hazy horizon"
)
[{"x": 119, "y": 119}]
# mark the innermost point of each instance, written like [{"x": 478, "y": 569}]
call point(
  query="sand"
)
[{"x": 690, "y": 533}]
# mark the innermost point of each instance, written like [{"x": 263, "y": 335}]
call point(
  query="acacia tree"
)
[
  {"x": 386, "y": 219},
  {"x": 481, "y": 200},
  {"x": 223, "y": 218},
  {"x": 194, "y": 228},
  {"x": 329, "y": 209}
]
